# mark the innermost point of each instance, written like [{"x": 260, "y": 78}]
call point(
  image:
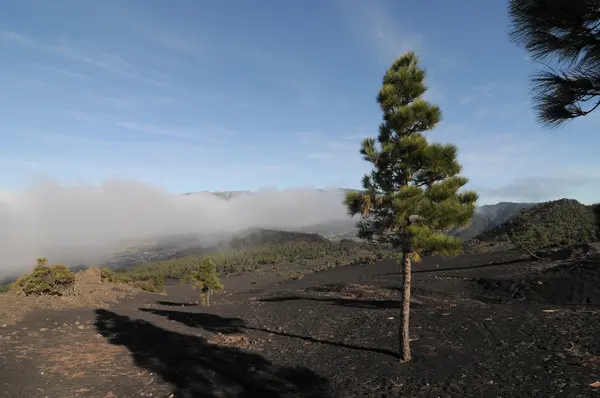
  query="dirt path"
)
[{"x": 330, "y": 334}]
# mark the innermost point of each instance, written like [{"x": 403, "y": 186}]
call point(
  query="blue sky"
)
[{"x": 250, "y": 94}]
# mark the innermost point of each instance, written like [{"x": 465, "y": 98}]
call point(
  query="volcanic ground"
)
[{"x": 481, "y": 325}]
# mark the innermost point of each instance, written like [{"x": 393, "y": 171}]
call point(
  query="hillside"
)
[
  {"x": 253, "y": 238},
  {"x": 560, "y": 222},
  {"x": 489, "y": 216},
  {"x": 486, "y": 218},
  {"x": 269, "y": 252}
]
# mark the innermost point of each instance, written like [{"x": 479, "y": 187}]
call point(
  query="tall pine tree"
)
[{"x": 412, "y": 195}]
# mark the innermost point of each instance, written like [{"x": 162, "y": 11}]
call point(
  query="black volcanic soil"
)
[{"x": 482, "y": 325}]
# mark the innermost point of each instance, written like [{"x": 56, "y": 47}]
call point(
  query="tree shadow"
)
[
  {"x": 211, "y": 322},
  {"x": 465, "y": 268},
  {"x": 354, "y": 303},
  {"x": 176, "y": 304},
  {"x": 196, "y": 368},
  {"x": 214, "y": 323}
]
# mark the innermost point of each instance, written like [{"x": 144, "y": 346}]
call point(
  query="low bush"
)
[
  {"x": 147, "y": 285},
  {"x": 108, "y": 275},
  {"x": 55, "y": 280}
]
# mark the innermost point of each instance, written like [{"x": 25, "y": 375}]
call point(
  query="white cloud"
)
[{"x": 90, "y": 220}]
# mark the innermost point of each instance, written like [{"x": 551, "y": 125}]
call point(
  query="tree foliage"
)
[
  {"x": 205, "y": 279},
  {"x": 412, "y": 195},
  {"x": 567, "y": 32},
  {"x": 56, "y": 279}
]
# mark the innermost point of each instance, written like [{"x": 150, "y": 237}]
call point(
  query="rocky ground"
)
[{"x": 482, "y": 325}]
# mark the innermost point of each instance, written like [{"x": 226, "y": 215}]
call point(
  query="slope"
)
[{"x": 561, "y": 223}]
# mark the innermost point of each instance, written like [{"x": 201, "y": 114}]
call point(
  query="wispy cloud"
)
[
  {"x": 303, "y": 91},
  {"x": 320, "y": 155},
  {"x": 87, "y": 54},
  {"x": 214, "y": 136},
  {"x": 66, "y": 72},
  {"x": 434, "y": 95},
  {"x": 372, "y": 21},
  {"x": 173, "y": 41},
  {"x": 465, "y": 99},
  {"x": 448, "y": 63},
  {"x": 485, "y": 89},
  {"x": 83, "y": 116},
  {"x": 132, "y": 101},
  {"x": 536, "y": 188},
  {"x": 154, "y": 130}
]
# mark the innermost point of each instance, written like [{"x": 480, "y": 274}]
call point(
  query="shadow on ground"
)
[
  {"x": 355, "y": 303},
  {"x": 214, "y": 323},
  {"x": 176, "y": 304},
  {"x": 196, "y": 368},
  {"x": 464, "y": 268}
]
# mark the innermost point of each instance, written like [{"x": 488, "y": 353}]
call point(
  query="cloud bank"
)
[{"x": 87, "y": 221}]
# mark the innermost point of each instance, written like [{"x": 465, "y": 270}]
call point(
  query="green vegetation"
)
[
  {"x": 410, "y": 199},
  {"x": 314, "y": 255},
  {"x": 205, "y": 279},
  {"x": 56, "y": 280},
  {"x": 156, "y": 284},
  {"x": 277, "y": 252},
  {"x": 563, "y": 222},
  {"x": 4, "y": 288},
  {"x": 567, "y": 32},
  {"x": 291, "y": 275}
]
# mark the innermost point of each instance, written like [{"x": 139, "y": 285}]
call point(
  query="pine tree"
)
[
  {"x": 205, "y": 279},
  {"x": 411, "y": 197},
  {"x": 567, "y": 32}
]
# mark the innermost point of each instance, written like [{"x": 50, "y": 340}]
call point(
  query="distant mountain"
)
[
  {"x": 229, "y": 195},
  {"x": 489, "y": 216},
  {"x": 564, "y": 222}
]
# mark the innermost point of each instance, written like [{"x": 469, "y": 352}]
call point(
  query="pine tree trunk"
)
[
  {"x": 208, "y": 298},
  {"x": 404, "y": 325}
]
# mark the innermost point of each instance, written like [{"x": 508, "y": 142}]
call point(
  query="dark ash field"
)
[{"x": 482, "y": 325}]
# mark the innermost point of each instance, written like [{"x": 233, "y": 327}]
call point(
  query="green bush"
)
[
  {"x": 108, "y": 275},
  {"x": 55, "y": 280},
  {"x": 147, "y": 285},
  {"x": 4, "y": 288}
]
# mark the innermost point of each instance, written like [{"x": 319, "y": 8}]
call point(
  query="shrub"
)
[
  {"x": 108, "y": 275},
  {"x": 147, "y": 286},
  {"x": 56, "y": 280}
]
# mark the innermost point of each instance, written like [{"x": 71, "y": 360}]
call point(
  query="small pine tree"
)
[
  {"x": 411, "y": 197},
  {"x": 205, "y": 279}
]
